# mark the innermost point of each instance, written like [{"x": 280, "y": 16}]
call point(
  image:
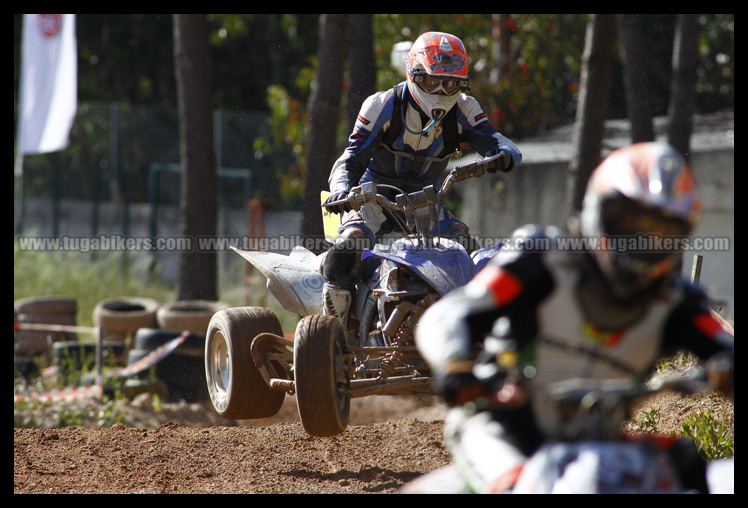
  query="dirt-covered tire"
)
[
  {"x": 319, "y": 372},
  {"x": 35, "y": 342},
  {"x": 46, "y": 305},
  {"x": 190, "y": 315},
  {"x": 236, "y": 388},
  {"x": 124, "y": 315},
  {"x": 51, "y": 310}
]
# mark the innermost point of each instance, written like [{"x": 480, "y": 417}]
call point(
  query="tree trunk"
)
[
  {"x": 500, "y": 43},
  {"x": 324, "y": 113},
  {"x": 594, "y": 93},
  {"x": 199, "y": 196},
  {"x": 362, "y": 68},
  {"x": 685, "y": 61},
  {"x": 636, "y": 65}
]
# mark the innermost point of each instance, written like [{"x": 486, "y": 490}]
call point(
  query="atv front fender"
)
[{"x": 294, "y": 280}]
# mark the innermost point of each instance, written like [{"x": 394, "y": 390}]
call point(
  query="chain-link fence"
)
[
  {"x": 130, "y": 154},
  {"x": 120, "y": 178}
]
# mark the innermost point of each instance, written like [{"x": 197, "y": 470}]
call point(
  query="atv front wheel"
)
[{"x": 321, "y": 373}]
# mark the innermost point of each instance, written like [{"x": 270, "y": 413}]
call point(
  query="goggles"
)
[
  {"x": 624, "y": 217},
  {"x": 432, "y": 84}
]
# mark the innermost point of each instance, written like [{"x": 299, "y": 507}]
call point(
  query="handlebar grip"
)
[
  {"x": 505, "y": 159},
  {"x": 475, "y": 168}
]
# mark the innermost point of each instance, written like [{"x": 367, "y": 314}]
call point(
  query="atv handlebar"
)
[
  {"x": 477, "y": 168},
  {"x": 367, "y": 192}
]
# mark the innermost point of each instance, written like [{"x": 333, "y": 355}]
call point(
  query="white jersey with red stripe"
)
[{"x": 560, "y": 316}]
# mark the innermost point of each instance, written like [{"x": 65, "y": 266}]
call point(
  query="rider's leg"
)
[
  {"x": 489, "y": 449},
  {"x": 343, "y": 267}
]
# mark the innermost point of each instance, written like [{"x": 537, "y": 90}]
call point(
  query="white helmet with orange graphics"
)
[
  {"x": 639, "y": 208},
  {"x": 437, "y": 69}
]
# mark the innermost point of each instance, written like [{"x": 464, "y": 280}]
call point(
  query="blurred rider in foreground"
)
[
  {"x": 601, "y": 312},
  {"x": 404, "y": 137}
]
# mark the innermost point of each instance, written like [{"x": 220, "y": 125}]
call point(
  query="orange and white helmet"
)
[
  {"x": 640, "y": 205},
  {"x": 437, "y": 69}
]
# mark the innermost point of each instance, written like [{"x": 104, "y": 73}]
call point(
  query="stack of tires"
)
[
  {"x": 123, "y": 316},
  {"x": 41, "y": 310},
  {"x": 182, "y": 371}
]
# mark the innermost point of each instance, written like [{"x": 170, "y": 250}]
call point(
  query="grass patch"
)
[
  {"x": 712, "y": 438},
  {"x": 712, "y": 435}
]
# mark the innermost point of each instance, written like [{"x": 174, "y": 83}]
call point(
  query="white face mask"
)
[{"x": 434, "y": 105}]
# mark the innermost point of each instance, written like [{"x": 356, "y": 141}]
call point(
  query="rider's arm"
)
[
  {"x": 371, "y": 122},
  {"x": 514, "y": 281},
  {"x": 477, "y": 131},
  {"x": 692, "y": 326}
]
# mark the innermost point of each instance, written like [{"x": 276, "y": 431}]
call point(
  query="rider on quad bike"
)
[
  {"x": 599, "y": 312},
  {"x": 404, "y": 137}
]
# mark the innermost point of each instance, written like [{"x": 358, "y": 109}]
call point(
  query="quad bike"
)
[
  {"x": 588, "y": 453},
  {"x": 250, "y": 365}
]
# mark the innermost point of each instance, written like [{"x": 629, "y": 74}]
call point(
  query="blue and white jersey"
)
[{"x": 412, "y": 159}]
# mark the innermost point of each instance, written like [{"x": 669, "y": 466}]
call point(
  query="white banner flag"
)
[{"x": 49, "y": 82}]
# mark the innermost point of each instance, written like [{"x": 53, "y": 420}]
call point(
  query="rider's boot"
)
[
  {"x": 343, "y": 269},
  {"x": 336, "y": 302}
]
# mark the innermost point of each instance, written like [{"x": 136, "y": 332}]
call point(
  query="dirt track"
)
[
  {"x": 391, "y": 440},
  {"x": 277, "y": 458}
]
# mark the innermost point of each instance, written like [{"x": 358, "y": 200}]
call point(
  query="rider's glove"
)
[
  {"x": 458, "y": 388},
  {"x": 340, "y": 208},
  {"x": 503, "y": 163}
]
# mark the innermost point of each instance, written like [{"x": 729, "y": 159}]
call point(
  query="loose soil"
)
[{"x": 188, "y": 448}]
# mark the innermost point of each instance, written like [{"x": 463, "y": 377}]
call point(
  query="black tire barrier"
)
[{"x": 182, "y": 371}]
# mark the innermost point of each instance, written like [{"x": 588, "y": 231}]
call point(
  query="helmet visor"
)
[
  {"x": 642, "y": 242},
  {"x": 622, "y": 216},
  {"x": 433, "y": 84}
]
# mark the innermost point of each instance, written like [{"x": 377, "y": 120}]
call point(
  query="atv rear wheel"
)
[
  {"x": 320, "y": 373},
  {"x": 236, "y": 388}
]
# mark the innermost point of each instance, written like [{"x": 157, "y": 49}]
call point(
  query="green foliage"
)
[
  {"x": 535, "y": 89},
  {"x": 713, "y": 439},
  {"x": 680, "y": 361},
  {"x": 102, "y": 416},
  {"x": 127, "y": 59},
  {"x": 648, "y": 420},
  {"x": 715, "y": 88},
  {"x": 288, "y": 126}
]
